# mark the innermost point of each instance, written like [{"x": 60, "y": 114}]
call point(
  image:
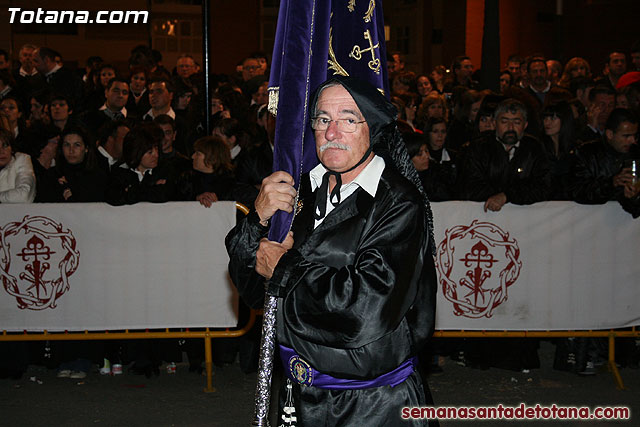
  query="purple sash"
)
[{"x": 299, "y": 371}]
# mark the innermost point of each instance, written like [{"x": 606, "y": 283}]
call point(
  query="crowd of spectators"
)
[
  {"x": 548, "y": 132},
  {"x": 126, "y": 136}
]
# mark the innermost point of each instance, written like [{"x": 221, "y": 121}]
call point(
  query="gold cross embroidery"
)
[{"x": 357, "y": 52}]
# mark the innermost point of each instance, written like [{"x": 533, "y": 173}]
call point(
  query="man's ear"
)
[
  {"x": 609, "y": 134},
  {"x": 526, "y": 124}
]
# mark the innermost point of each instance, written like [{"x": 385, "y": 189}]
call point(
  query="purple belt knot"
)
[{"x": 299, "y": 371}]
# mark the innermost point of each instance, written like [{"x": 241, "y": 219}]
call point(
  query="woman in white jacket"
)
[{"x": 17, "y": 180}]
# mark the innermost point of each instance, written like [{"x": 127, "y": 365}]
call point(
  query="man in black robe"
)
[{"x": 355, "y": 278}]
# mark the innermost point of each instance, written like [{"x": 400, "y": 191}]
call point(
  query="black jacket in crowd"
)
[
  {"x": 487, "y": 170},
  {"x": 592, "y": 170},
  {"x": 86, "y": 184},
  {"x": 126, "y": 189}
]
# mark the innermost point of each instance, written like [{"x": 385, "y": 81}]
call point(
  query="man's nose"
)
[{"x": 332, "y": 130}]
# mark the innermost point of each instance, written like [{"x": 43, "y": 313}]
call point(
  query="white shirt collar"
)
[
  {"x": 169, "y": 113},
  {"x": 545, "y": 90},
  {"x": 108, "y": 156},
  {"x": 368, "y": 180},
  {"x": 53, "y": 70},
  {"x": 137, "y": 172},
  {"x": 235, "y": 151},
  {"x": 112, "y": 113},
  {"x": 512, "y": 150},
  {"x": 24, "y": 73}
]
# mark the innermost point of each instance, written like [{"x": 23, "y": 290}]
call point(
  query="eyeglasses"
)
[{"x": 344, "y": 125}]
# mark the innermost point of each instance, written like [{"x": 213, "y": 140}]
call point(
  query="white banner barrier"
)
[
  {"x": 549, "y": 266},
  {"x": 93, "y": 266}
]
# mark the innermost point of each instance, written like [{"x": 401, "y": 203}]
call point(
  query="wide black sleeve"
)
[
  {"x": 242, "y": 244},
  {"x": 359, "y": 303}
]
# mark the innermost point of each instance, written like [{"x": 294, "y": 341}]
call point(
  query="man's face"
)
[
  {"x": 168, "y": 138},
  {"x": 465, "y": 71},
  {"x": 514, "y": 68},
  {"x": 250, "y": 69},
  {"x": 117, "y": 95},
  {"x": 624, "y": 137},
  {"x": 617, "y": 64},
  {"x": 538, "y": 73},
  {"x": 159, "y": 96},
  {"x": 338, "y": 150},
  {"x": 185, "y": 67},
  {"x": 4, "y": 63},
  {"x": 26, "y": 58},
  {"x": 40, "y": 63},
  {"x": 635, "y": 60},
  {"x": 606, "y": 104},
  {"x": 510, "y": 127}
]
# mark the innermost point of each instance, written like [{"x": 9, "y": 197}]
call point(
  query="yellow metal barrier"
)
[
  {"x": 610, "y": 334},
  {"x": 207, "y": 334}
]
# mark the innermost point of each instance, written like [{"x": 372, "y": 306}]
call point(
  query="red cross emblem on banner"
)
[
  {"x": 45, "y": 258},
  {"x": 476, "y": 281}
]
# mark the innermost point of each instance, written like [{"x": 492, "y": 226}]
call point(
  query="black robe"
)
[{"x": 357, "y": 298}]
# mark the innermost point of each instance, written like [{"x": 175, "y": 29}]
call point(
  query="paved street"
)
[{"x": 179, "y": 400}]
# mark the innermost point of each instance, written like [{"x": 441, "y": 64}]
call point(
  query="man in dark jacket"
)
[
  {"x": 355, "y": 279},
  {"x": 57, "y": 78},
  {"x": 600, "y": 171},
  {"x": 507, "y": 166}
]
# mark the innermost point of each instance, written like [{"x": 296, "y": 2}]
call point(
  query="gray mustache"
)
[{"x": 334, "y": 145}]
